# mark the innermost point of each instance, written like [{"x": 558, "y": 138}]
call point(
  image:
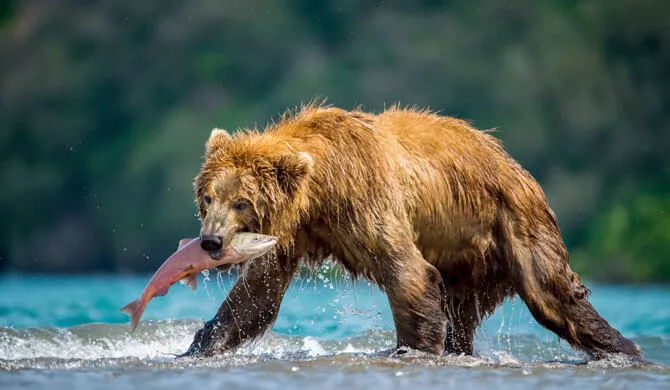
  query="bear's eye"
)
[
  {"x": 240, "y": 205},
  {"x": 207, "y": 199}
]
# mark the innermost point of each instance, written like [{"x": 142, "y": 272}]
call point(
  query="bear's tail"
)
[{"x": 556, "y": 296}]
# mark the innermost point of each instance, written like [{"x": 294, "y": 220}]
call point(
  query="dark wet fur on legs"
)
[{"x": 249, "y": 310}]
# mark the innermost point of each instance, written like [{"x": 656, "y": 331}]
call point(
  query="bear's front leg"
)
[
  {"x": 250, "y": 308},
  {"x": 413, "y": 288}
]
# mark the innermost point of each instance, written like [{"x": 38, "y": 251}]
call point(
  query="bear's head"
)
[{"x": 250, "y": 182}]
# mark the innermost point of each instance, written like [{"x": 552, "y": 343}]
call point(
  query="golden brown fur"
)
[{"x": 432, "y": 210}]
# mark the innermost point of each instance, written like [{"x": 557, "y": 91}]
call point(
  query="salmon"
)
[{"x": 189, "y": 260}]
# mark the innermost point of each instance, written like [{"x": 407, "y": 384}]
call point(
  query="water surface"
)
[{"x": 68, "y": 332}]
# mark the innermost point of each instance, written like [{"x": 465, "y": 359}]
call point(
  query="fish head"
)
[{"x": 252, "y": 245}]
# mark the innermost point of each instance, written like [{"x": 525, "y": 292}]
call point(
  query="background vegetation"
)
[{"x": 105, "y": 107}]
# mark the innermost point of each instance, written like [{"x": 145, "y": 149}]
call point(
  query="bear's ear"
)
[
  {"x": 292, "y": 169},
  {"x": 217, "y": 140}
]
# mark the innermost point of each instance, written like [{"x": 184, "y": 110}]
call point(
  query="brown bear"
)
[{"x": 432, "y": 210}]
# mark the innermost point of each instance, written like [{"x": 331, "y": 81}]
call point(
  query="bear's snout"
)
[{"x": 211, "y": 243}]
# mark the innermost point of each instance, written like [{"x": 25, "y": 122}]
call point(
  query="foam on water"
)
[
  {"x": 94, "y": 341},
  {"x": 155, "y": 344},
  {"x": 163, "y": 340}
]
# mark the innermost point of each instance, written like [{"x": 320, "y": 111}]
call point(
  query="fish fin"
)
[
  {"x": 183, "y": 242},
  {"x": 134, "y": 309},
  {"x": 162, "y": 292},
  {"x": 192, "y": 281}
]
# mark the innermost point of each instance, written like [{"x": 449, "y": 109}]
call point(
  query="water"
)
[{"x": 67, "y": 332}]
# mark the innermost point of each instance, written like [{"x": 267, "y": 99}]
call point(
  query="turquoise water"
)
[{"x": 58, "y": 332}]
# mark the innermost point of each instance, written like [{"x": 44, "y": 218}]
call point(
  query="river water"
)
[{"x": 68, "y": 333}]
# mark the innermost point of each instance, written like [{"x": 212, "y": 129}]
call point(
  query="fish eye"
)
[
  {"x": 207, "y": 199},
  {"x": 240, "y": 205}
]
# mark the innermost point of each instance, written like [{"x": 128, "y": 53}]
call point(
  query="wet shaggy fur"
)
[{"x": 432, "y": 210}]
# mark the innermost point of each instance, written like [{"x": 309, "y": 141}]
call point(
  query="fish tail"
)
[{"x": 134, "y": 309}]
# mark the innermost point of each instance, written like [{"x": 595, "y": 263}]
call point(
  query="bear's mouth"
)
[{"x": 216, "y": 255}]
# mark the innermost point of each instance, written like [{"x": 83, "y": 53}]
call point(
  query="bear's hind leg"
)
[
  {"x": 465, "y": 312},
  {"x": 558, "y": 300},
  {"x": 461, "y": 325}
]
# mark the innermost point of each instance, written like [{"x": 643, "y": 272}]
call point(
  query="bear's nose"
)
[{"x": 211, "y": 243}]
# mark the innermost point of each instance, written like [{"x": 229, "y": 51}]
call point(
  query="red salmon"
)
[{"x": 189, "y": 260}]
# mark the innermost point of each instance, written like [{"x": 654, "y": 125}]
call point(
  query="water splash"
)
[{"x": 157, "y": 343}]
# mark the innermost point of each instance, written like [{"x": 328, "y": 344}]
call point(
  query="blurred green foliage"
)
[
  {"x": 105, "y": 108},
  {"x": 629, "y": 241}
]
